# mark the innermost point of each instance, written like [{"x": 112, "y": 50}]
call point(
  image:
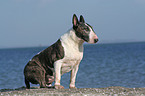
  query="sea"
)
[{"x": 103, "y": 65}]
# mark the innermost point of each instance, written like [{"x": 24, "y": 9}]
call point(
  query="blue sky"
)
[{"x": 26, "y": 23}]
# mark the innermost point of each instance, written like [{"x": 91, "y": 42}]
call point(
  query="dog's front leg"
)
[
  {"x": 57, "y": 69},
  {"x": 73, "y": 77}
]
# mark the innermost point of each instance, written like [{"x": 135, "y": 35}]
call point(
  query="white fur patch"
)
[
  {"x": 73, "y": 54},
  {"x": 73, "y": 48}
]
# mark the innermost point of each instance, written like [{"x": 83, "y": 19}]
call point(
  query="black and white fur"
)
[{"x": 63, "y": 56}]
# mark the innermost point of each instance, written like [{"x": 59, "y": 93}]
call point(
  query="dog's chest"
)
[{"x": 73, "y": 56}]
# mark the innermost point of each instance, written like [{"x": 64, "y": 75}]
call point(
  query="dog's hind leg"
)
[
  {"x": 34, "y": 74},
  {"x": 42, "y": 84},
  {"x": 27, "y": 84},
  {"x": 42, "y": 81},
  {"x": 40, "y": 78}
]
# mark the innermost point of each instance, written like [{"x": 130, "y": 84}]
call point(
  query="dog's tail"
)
[{"x": 27, "y": 84}]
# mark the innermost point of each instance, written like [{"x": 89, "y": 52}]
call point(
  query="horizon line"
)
[{"x": 40, "y": 46}]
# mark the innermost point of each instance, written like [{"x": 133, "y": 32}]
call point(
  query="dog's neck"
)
[{"x": 70, "y": 38}]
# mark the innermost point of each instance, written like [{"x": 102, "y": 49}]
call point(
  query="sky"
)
[{"x": 28, "y": 23}]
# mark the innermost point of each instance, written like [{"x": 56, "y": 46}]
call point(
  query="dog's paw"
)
[
  {"x": 59, "y": 87},
  {"x": 73, "y": 87}
]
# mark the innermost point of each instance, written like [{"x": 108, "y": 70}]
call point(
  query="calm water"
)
[{"x": 103, "y": 65}]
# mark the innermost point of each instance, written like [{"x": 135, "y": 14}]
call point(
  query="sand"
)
[{"x": 109, "y": 91}]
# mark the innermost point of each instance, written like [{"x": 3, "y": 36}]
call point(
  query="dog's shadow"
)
[{"x": 24, "y": 88}]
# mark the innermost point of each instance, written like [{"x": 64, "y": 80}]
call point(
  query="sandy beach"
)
[{"x": 109, "y": 91}]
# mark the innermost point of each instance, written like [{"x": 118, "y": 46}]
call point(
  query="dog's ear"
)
[
  {"x": 75, "y": 20},
  {"x": 82, "y": 19}
]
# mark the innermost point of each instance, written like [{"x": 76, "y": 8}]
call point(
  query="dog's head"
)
[{"x": 83, "y": 30}]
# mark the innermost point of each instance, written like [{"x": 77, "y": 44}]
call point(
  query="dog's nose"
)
[{"x": 96, "y": 40}]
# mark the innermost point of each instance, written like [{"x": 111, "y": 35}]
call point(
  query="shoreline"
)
[{"x": 35, "y": 91}]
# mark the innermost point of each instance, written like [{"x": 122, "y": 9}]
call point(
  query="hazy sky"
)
[{"x": 25, "y": 23}]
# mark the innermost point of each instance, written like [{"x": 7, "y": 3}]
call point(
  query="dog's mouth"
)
[{"x": 85, "y": 38}]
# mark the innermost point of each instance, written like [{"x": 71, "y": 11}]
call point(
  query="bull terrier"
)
[{"x": 63, "y": 56}]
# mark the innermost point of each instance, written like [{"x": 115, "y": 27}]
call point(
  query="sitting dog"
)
[{"x": 63, "y": 56}]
